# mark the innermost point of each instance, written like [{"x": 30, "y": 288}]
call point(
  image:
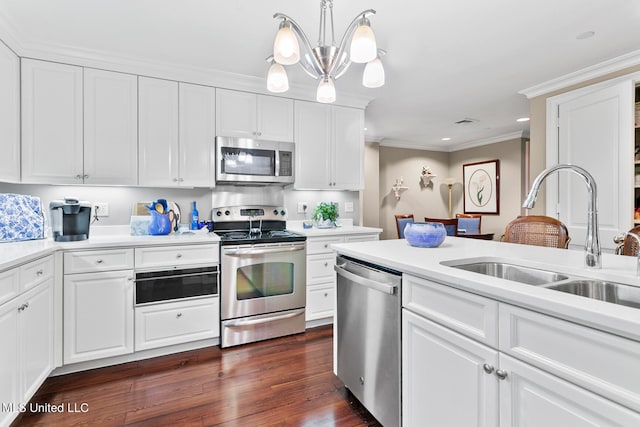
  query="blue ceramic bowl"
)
[{"x": 425, "y": 234}]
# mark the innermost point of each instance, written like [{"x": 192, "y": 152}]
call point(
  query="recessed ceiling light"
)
[
  {"x": 446, "y": 139},
  {"x": 585, "y": 35},
  {"x": 523, "y": 119}
]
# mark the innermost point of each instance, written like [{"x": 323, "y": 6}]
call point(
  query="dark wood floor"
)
[{"x": 282, "y": 382}]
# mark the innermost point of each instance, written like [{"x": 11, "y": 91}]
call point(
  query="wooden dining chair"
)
[
  {"x": 401, "y": 222},
  {"x": 450, "y": 224},
  {"x": 470, "y": 223},
  {"x": 537, "y": 230}
]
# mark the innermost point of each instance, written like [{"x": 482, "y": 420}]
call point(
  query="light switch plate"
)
[
  {"x": 302, "y": 207},
  {"x": 101, "y": 209}
]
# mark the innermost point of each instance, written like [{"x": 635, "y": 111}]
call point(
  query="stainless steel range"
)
[{"x": 263, "y": 274}]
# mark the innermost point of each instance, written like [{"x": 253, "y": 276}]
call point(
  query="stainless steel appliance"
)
[
  {"x": 154, "y": 287},
  {"x": 70, "y": 219},
  {"x": 368, "y": 336},
  {"x": 250, "y": 161},
  {"x": 263, "y": 274}
]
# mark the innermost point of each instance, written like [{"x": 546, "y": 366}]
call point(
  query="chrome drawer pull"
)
[
  {"x": 502, "y": 375},
  {"x": 179, "y": 315},
  {"x": 39, "y": 273},
  {"x": 99, "y": 261},
  {"x": 488, "y": 368}
]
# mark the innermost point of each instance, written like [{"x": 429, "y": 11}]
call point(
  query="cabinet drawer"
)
[
  {"x": 9, "y": 284},
  {"x": 361, "y": 238},
  {"x": 36, "y": 272},
  {"x": 320, "y": 268},
  {"x": 177, "y": 322},
  {"x": 320, "y": 301},
  {"x": 175, "y": 256},
  {"x": 603, "y": 363},
  {"x": 95, "y": 261},
  {"x": 322, "y": 245},
  {"x": 467, "y": 313}
]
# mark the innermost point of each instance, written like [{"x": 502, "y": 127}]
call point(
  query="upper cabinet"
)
[
  {"x": 329, "y": 147},
  {"x": 110, "y": 128},
  {"x": 9, "y": 115},
  {"x": 176, "y": 135},
  {"x": 51, "y": 123},
  {"x": 248, "y": 115},
  {"x": 78, "y": 125}
]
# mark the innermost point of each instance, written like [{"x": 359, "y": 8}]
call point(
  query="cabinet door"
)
[
  {"x": 197, "y": 135},
  {"x": 444, "y": 382},
  {"x": 531, "y": 397},
  {"x": 110, "y": 128},
  {"x": 9, "y": 115},
  {"x": 98, "y": 315},
  {"x": 347, "y": 148},
  {"x": 595, "y": 131},
  {"x": 8, "y": 361},
  {"x": 51, "y": 123},
  {"x": 35, "y": 332},
  {"x": 236, "y": 114},
  {"x": 158, "y": 132},
  {"x": 275, "y": 118},
  {"x": 312, "y": 133}
]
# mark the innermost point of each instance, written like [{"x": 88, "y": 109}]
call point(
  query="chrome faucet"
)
[
  {"x": 637, "y": 238},
  {"x": 592, "y": 251}
]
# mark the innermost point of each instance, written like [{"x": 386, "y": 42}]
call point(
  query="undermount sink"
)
[
  {"x": 517, "y": 273},
  {"x": 616, "y": 293}
]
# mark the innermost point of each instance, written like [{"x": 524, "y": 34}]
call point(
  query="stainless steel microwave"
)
[{"x": 246, "y": 161}]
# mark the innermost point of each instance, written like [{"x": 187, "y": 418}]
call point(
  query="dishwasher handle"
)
[{"x": 372, "y": 284}]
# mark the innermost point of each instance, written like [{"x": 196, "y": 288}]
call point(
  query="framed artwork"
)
[{"x": 481, "y": 181}]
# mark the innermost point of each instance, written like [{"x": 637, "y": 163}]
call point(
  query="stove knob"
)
[
  {"x": 227, "y": 213},
  {"x": 275, "y": 211},
  {"x": 218, "y": 213},
  {"x": 283, "y": 212}
]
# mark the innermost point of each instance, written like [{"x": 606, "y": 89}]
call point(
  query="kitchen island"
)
[{"x": 481, "y": 350}]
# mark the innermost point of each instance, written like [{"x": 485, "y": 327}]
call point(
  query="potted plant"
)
[{"x": 325, "y": 215}]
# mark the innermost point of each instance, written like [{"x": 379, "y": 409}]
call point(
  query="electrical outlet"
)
[
  {"x": 101, "y": 209},
  {"x": 348, "y": 206},
  {"x": 302, "y": 207}
]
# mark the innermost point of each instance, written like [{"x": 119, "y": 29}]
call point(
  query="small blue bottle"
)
[{"x": 194, "y": 217}]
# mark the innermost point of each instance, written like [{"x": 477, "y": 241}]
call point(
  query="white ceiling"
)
[{"x": 446, "y": 60}]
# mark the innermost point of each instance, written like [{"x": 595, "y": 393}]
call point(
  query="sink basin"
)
[
  {"x": 616, "y": 293},
  {"x": 517, "y": 273}
]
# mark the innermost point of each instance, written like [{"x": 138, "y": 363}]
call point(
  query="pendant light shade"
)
[
  {"x": 373, "y": 75},
  {"x": 286, "y": 50},
  {"x": 363, "y": 44},
  {"x": 277, "y": 80},
  {"x": 326, "y": 91}
]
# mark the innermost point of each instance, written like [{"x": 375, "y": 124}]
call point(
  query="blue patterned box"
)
[{"x": 21, "y": 218}]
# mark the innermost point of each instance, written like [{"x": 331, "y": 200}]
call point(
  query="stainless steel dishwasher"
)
[{"x": 368, "y": 336}]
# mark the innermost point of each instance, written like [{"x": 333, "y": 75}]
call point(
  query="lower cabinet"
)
[
  {"x": 26, "y": 359},
  {"x": 159, "y": 325},
  {"x": 98, "y": 315},
  {"x": 451, "y": 379}
]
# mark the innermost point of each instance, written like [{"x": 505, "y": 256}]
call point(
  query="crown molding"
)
[
  {"x": 9, "y": 34},
  {"x": 394, "y": 143},
  {"x": 630, "y": 59}
]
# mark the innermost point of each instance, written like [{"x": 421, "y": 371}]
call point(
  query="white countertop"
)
[
  {"x": 15, "y": 253},
  {"x": 427, "y": 263},
  {"x": 345, "y": 228}
]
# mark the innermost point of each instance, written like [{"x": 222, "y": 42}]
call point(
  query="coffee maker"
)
[{"x": 70, "y": 219}]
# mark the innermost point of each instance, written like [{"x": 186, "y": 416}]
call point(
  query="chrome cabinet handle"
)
[
  {"x": 326, "y": 245},
  {"x": 85, "y": 176},
  {"x": 180, "y": 179},
  {"x": 179, "y": 315},
  {"x": 23, "y": 306},
  {"x": 78, "y": 176},
  {"x": 488, "y": 368},
  {"x": 39, "y": 273},
  {"x": 99, "y": 261},
  {"x": 326, "y": 294},
  {"x": 326, "y": 264},
  {"x": 502, "y": 375},
  {"x": 179, "y": 256}
]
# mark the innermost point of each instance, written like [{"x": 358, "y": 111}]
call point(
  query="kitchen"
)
[{"x": 367, "y": 203}]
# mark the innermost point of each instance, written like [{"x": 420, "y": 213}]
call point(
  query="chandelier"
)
[{"x": 325, "y": 63}]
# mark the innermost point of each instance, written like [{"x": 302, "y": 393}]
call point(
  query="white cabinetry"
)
[
  {"x": 51, "y": 123},
  {"x": 248, "y": 115},
  {"x": 329, "y": 147},
  {"x": 98, "y": 304},
  {"x": 9, "y": 115},
  {"x": 321, "y": 281},
  {"x": 451, "y": 379},
  {"x": 26, "y": 327},
  {"x": 110, "y": 128},
  {"x": 175, "y": 133}
]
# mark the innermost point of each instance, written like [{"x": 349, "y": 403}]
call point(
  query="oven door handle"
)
[
  {"x": 261, "y": 251},
  {"x": 262, "y": 319}
]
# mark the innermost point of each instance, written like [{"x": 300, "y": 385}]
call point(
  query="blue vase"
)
[
  {"x": 425, "y": 234},
  {"x": 160, "y": 224}
]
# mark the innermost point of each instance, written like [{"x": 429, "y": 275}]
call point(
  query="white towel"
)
[{"x": 21, "y": 218}]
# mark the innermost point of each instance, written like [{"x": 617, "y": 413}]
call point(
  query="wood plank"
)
[{"x": 287, "y": 381}]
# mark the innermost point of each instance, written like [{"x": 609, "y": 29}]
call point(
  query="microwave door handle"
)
[{"x": 261, "y": 251}]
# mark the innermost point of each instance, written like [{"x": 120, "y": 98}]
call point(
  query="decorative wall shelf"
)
[
  {"x": 426, "y": 178},
  {"x": 398, "y": 190}
]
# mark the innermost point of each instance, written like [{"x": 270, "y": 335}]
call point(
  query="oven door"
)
[{"x": 259, "y": 279}]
